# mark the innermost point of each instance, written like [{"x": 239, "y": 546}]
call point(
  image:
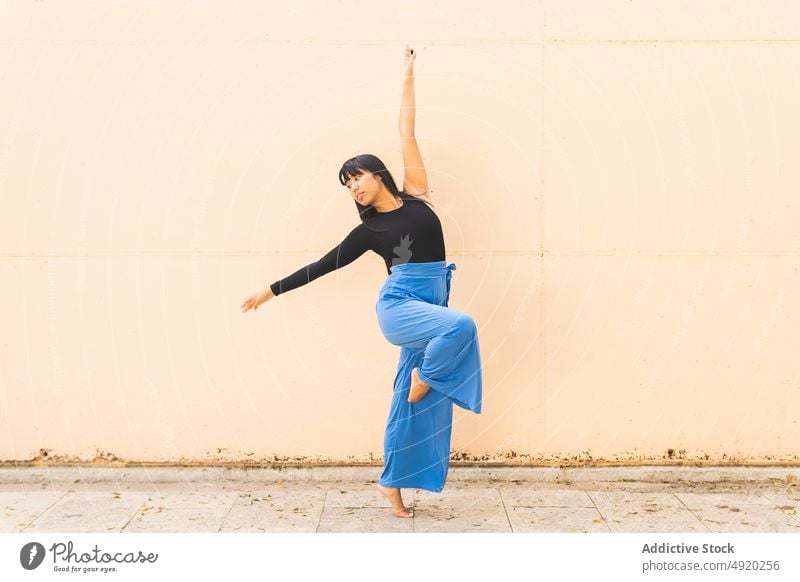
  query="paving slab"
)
[
  {"x": 531, "y": 496},
  {"x": 787, "y": 502},
  {"x": 748, "y": 512},
  {"x": 275, "y": 511},
  {"x": 363, "y": 520},
  {"x": 641, "y": 512},
  {"x": 477, "y": 509},
  {"x": 556, "y": 520},
  {"x": 361, "y": 496},
  {"x": 190, "y": 511},
  {"x": 89, "y": 511},
  {"x": 20, "y": 508}
]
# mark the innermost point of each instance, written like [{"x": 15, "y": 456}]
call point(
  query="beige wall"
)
[{"x": 617, "y": 181}]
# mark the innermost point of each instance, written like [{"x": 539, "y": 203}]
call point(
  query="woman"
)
[{"x": 439, "y": 357}]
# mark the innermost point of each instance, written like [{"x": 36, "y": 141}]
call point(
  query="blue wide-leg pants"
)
[{"x": 442, "y": 343}]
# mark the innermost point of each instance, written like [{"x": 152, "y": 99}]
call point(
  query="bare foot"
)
[
  {"x": 393, "y": 495},
  {"x": 418, "y": 388}
]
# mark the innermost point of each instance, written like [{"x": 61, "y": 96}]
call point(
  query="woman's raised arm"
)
[{"x": 415, "y": 180}]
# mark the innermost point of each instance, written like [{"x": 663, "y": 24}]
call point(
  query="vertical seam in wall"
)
[{"x": 542, "y": 44}]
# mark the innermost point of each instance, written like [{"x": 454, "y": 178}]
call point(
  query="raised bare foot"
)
[
  {"x": 393, "y": 495},
  {"x": 418, "y": 388}
]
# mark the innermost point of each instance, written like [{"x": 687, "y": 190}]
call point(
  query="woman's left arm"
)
[{"x": 415, "y": 180}]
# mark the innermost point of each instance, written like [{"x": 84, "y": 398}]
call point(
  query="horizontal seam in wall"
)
[
  {"x": 573, "y": 253},
  {"x": 426, "y": 42}
]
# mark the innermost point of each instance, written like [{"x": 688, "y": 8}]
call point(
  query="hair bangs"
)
[{"x": 349, "y": 169}]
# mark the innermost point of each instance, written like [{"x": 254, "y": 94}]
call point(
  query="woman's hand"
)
[
  {"x": 257, "y": 299},
  {"x": 408, "y": 59}
]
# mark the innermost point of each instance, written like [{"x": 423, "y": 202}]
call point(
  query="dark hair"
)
[{"x": 372, "y": 164}]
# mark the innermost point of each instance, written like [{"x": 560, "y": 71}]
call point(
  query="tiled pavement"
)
[{"x": 184, "y": 501}]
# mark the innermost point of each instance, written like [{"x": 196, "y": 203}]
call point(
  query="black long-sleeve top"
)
[{"x": 411, "y": 233}]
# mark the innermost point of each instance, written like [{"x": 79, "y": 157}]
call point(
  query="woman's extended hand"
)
[
  {"x": 257, "y": 299},
  {"x": 408, "y": 59}
]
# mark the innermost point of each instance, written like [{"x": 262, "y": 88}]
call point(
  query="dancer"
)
[{"x": 439, "y": 354}]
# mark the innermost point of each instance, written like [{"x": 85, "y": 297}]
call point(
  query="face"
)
[{"x": 364, "y": 187}]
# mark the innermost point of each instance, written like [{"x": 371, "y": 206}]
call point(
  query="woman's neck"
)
[{"x": 387, "y": 202}]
